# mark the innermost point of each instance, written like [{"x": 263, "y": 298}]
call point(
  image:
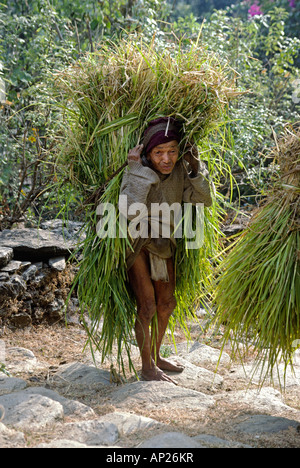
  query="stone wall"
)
[{"x": 35, "y": 274}]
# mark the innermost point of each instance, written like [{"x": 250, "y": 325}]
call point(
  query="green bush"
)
[{"x": 37, "y": 38}]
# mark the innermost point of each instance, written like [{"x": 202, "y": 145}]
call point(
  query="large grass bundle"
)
[
  {"x": 258, "y": 291},
  {"x": 110, "y": 97}
]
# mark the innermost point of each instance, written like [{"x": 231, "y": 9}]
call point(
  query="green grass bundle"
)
[
  {"x": 258, "y": 290},
  {"x": 110, "y": 96}
]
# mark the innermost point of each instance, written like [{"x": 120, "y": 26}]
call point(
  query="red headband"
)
[{"x": 160, "y": 131}]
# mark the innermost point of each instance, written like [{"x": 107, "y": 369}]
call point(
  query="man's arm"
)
[
  {"x": 137, "y": 180},
  {"x": 196, "y": 184}
]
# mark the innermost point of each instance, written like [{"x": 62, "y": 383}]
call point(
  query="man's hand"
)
[
  {"x": 192, "y": 157},
  {"x": 135, "y": 153}
]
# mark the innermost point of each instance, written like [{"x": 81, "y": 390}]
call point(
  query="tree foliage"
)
[
  {"x": 264, "y": 58},
  {"x": 38, "y": 37}
]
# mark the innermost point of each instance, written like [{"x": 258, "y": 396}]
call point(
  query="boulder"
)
[
  {"x": 94, "y": 432},
  {"x": 12, "y": 267},
  {"x": 128, "y": 423},
  {"x": 56, "y": 310},
  {"x": 171, "y": 440},
  {"x": 63, "y": 443},
  {"x": 232, "y": 229},
  {"x": 11, "y": 289},
  {"x": 29, "y": 273},
  {"x": 11, "y": 384},
  {"x": 6, "y": 254},
  {"x": 195, "y": 377},
  {"x": 21, "y": 320},
  {"x": 71, "y": 407},
  {"x": 20, "y": 359},
  {"x": 68, "y": 229},
  {"x": 202, "y": 355},
  {"x": 4, "y": 277},
  {"x": 265, "y": 424},
  {"x": 58, "y": 263},
  {"x": 210, "y": 441},
  {"x": 30, "y": 412},
  {"x": 81, "y": 374},
  {"x": 287, "y": 375},
  {"x": 266, "y": 399},
  {"x": 153, "y": 395},
  {"x": 10, "y": 438},
  {"x": 35, "y": 244}
]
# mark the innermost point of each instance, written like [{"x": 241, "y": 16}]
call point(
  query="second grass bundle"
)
[{"x": 258, "y": 291}]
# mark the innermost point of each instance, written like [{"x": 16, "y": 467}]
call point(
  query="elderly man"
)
[{"x": 155, "y": 174}]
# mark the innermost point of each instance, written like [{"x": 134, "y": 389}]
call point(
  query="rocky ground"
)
[{"x": 55, "y": 396}]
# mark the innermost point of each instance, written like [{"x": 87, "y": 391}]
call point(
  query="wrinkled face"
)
[{"x": 163, "y": 157}]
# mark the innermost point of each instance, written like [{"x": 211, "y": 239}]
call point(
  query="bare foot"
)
[
  {"x": 155, "y": 373},
  {"x": 165, "y": 365}
]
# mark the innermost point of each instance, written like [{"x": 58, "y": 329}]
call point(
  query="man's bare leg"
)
[
  {"x": 166, "y": 304},
  {"x": 142, "y": 285}
]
